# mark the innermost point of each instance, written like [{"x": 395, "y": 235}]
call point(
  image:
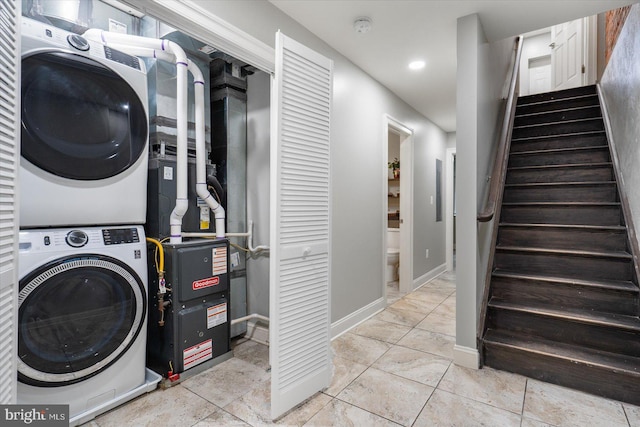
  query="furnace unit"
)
[{"x": 191, "y": 331}]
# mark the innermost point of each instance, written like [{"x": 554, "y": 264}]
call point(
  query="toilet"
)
[{"x": 393, "y": 254}]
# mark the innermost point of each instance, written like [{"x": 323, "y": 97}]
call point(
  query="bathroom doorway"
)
[{"x": 398, "y": 206}]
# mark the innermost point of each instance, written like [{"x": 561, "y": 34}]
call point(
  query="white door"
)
[
  {"x": 405, "y": 272},
  {"x": 300, "y": 271},
  {"x": 567, "y": 54},
  {"x": 539, "y": 79},
  {"x": 9, "y": 160}
]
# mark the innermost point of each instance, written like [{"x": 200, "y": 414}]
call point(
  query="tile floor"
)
[{"x": 394, "y": 369}]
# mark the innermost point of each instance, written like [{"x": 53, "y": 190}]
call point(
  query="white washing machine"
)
[
  {"x": 82, "y": 317},
  {"x": 84, "y": 142}
]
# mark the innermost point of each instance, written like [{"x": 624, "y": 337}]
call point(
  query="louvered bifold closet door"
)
[
  {"x": 9, "y": 161},
  {"x": 300, "y": 226}
]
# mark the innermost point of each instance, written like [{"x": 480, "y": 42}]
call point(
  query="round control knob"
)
[
  {"x": 78, "y": 42},
  {"x": 77, "y": 238}
]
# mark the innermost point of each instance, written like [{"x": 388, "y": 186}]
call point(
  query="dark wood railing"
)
[{"x": 504, "y": 143}]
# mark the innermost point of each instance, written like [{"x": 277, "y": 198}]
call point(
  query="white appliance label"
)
[
  {"x": 205, "y": 217},
  {"x": 168, "y": 173},
  {"x": 216, "y": 315},
  {"x": 117, "y": 27},
  {"x": 197, "y": 354},
  {"x": 219, "y": 257}
]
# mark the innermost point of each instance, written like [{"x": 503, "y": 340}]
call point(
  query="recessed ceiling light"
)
[
  {"x": 417, "y": 65},
  {"x": 362, "y": 25}
]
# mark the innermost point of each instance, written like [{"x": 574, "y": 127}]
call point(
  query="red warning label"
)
[
  {"x": 205, "y": 283},
  {"x": 197, "y": 354}
]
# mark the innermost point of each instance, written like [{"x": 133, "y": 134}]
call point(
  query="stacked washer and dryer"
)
[{"x": 83, "y": 256}]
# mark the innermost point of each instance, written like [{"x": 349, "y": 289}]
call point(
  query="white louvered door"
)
[
  {"x": 300, "y": 320},
  {"x": 9, "y": 161}
]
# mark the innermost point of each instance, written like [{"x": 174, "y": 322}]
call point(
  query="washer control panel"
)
[{"x": 118, "y": 236}]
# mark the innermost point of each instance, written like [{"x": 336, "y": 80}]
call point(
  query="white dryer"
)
[
  {"x": 84, "y": 142},
  {"x": 82, "y": 317}
]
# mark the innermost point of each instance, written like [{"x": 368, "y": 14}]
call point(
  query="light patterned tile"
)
[
  {"x": 381, "y": 330},
  {"x": 414, "y": 305},
  {"x": 255, "y": 408},
  {"x": 430, "y": 342},
  {"x": 344, "y": 372},
  {"x": 400, "y": 317},
  {"x": 441, "y": 283},
  {"x": 338, "y": 413},
  {"x": 175, "y": 406},
  {"x": 221, "y": 418},
  {"x": 561, "y": 406},
  {"x": 252, "y": 352},
  {"x": 227, "y": 381},
  {"x": 429, "y": 296},
  {"x": 448, "y": 409},
  {"x": 445, "y": 309},
  {"x": 414, "y": 365},
  {"x": 501, "y": 389},
  {"x": 438, "y": 322},
  {"x": 527, "y": 422},
  {"x": 633, "y": 414},
  {"x": 359, "y": 349},
  {"x": 387, "y": 395}
]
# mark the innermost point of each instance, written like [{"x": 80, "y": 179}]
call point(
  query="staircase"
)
[{"x": 563, "y": 299}]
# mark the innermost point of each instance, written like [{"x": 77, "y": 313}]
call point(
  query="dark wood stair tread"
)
[
  {"x": 561, "y": 166},
  {"x": 613, "y": 285},
  {"x": 552, "y": 204},
  {"x": 561, "y": 151},
  {"x": 559, "y": 95},
  {"x": 560, "y": 110},
  {"x": 556, "y": 102},
  {"x": 559, "y": 184},
  {"x": 564, "y": 122},
  {"x": 616, "y": 321},
  {"x": 628, "y": 365},
  {"x": 590, "y": 254},
  {"x": 557, "y": 136},
  {"x": 616, "y": 228}
]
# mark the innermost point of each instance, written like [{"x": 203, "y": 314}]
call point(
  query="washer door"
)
[
  {"x": 77, "y": 316},
  {"x": 80, "y": 119}
]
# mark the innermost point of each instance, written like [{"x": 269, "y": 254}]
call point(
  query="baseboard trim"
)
[
  {"x": 257, "y": 333},
  {"x": 466, "y": 357},
  {"x": 343, "y": 325},
  {"x": 430, "y": 275}
]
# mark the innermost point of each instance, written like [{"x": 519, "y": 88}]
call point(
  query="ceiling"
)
[{"x": 403, "y": 31}]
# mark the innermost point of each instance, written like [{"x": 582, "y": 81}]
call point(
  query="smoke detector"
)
[{"x": 362, "y": 25}]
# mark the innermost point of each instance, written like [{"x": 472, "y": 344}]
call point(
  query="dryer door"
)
[
  {"x": 77, "y": 316},
  {"x": 80, "y": 119}
]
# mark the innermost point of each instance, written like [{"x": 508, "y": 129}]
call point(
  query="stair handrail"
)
[{"x": 504, "y": 143}]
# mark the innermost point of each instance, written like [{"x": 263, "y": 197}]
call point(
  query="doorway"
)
[
  {"x": 450, "y": 208},
  {"x": 398, "y": 200},
  {"x": 559, "y": 57}
]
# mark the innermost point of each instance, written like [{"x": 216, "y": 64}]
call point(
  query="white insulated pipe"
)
[
  {"x": 201, "y": 172},
  {"x": 135, "y": 44},
  {"x": 248, "y": 235},
  {"x": 250, "y": 317}
]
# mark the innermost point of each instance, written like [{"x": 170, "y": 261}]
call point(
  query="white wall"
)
[
  {"x": 621, "y": 88},
  {"x": 359, "y": 104},
  {"x": 258, "y": 124},
  {"x": 483, "y": 69}
]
